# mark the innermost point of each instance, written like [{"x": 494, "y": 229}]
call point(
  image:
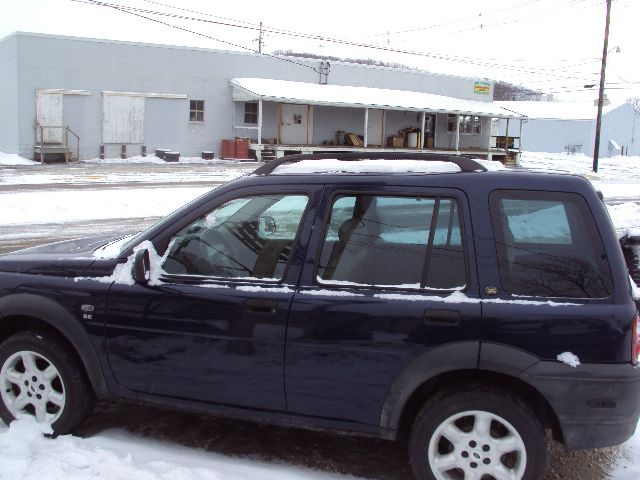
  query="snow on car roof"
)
[{"x": 334, "y": 165}]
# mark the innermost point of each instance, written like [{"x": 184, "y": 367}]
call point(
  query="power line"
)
[
  {"x": 444, "y": 57},
  {"x": 255, "y": 26},
  {"x": 527, "y": 18},
  {"x": 127, "y": 10},
  {"x": 152, "y": 2},
  {"x": 453, "y": 22}
]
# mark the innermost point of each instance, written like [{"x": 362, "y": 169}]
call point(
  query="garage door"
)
[{"x": 122, "y": 119}]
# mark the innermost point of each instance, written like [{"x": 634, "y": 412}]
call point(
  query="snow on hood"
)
[{"x": 113, "y": 248}]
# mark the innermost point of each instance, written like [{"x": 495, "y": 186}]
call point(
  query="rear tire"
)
[
  {"x": 477, "y": 434},
  {"x": 42, "y": 378}
]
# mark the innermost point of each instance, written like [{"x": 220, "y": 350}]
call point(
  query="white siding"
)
[{"x": 122, "y": 119}]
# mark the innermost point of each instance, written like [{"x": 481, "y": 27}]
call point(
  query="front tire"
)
[
  {"x": 477, "y": 434},
  {"x": 41, "y": 378}
]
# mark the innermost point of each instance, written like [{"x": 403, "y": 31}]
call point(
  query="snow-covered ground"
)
[
  {"x": 33, "y": 207},
  {"x": 617, "y": 177},
  {"x": 31, "y": 194},
  {"x": 117, "y": 455}
]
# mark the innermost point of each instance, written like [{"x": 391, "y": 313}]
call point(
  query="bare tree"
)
[{"x": 509, "y": 91}]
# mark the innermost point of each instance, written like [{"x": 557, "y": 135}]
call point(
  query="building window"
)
[
  {"x": 469, "y": 124},
  {"x": 251, "y": 113},
  {"x": 297, "y": 119},
  {"x": 196, "y": 111}
]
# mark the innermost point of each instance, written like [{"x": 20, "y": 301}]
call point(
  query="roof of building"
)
[
  {"x": 246, "y": 89},
  {"x": 249, "y": 53},
  {"x": 557, "y": 110}
]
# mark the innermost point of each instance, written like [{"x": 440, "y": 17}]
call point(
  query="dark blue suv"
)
[{"x": 409, "y": 297}]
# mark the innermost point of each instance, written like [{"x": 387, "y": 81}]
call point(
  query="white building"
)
[
  {"x": 570, "y": 127},
  {"x": 83, "y": 97}
]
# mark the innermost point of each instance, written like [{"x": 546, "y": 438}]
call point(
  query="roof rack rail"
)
[{"x": 465, "y": 164}]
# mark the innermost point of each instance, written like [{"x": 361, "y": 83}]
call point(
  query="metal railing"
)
[{"x": 46, "y": 132}]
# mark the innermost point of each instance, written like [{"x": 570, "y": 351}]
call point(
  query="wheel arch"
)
[
  {"x": 23, "y": 312},
  {"x": 471, "y": 377}
]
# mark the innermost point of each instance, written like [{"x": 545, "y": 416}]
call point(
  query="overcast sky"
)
[{"x": 551, "y": 45}]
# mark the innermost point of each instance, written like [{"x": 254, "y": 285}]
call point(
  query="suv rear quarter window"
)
[{"x": 548, "y": 245}]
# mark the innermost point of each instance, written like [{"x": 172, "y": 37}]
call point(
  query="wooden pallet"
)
[{"x": 353, "y": 140}]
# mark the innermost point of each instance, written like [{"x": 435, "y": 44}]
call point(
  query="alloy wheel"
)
[{"x": 31, "y": 384}]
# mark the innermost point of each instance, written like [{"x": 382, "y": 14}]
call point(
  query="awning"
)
[{"x": 248, "y": 89}]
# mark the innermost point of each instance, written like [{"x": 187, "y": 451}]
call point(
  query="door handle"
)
[
  {"x": 261, "y": 305},
  {"x": 444, "y": 318}
]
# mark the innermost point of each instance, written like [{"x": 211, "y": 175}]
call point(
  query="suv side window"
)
[
  {"x": 548, "y": 245},
  {"x": 380, "y": 240},
  {"x": 245, "y": 237}
]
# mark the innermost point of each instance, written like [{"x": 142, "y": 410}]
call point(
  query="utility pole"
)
[
  {"x": 260, "y": 39},
  {"x": 596, "y": 148}
]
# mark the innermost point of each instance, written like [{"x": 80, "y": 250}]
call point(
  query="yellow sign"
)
[{"x": 482, "y": 88}]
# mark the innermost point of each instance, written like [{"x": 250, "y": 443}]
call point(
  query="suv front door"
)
[
  {"x": 371, "y": 312},
  {"x": 214, "y": 329}
]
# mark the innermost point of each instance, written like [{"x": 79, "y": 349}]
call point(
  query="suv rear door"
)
[
  {"x": 371, "y": 315},
  {"x": 552, "y": 282}
]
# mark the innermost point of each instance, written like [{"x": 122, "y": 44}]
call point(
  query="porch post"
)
[
  {"x": 366, "y": 127},
  {"x": 490, "y": 137},
  {"x": 520, "y": 141},
  {"x": 457, "y": 132},
  {"x": 259, "y": 122},
  {"x": 506, "y": 143},
  {"x": 233, "y": 120},
  {"x": 422, "y": 122}
]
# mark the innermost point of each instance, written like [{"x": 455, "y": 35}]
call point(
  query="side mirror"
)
[{"x": 141, "y": 267}]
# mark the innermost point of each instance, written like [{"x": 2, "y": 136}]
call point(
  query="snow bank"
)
[
  {"x": 116, "y": 455},
  {"x": 13, "y": 159},
  {"x": 625, "y": 216},
  {"x": 628, "y": 465},
  {"x": 579, "y": 163},
  {"x": 569, "y": 358}
]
